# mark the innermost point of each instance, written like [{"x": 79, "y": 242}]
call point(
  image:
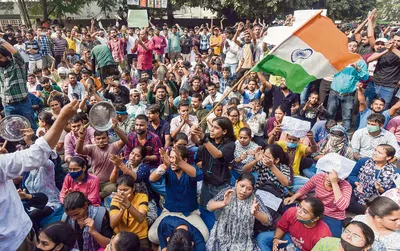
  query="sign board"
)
[
  {"x": 150, "y": 3},
  {"x": 138, "y": 18},
  {"x": 143, "y": 3},
  {"x": 132, "y": 2},
  {"x": 164, "y": 4}
]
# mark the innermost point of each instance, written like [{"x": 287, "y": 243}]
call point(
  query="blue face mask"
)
[
  {"x": 75, "y": 175},
  {"x": 305, "y": 221},
  {"x": 291, "y": 144}
]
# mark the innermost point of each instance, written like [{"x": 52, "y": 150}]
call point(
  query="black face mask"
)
[
  {"x": 5, "y": 64},
  {"x": 349, "y": 247}
]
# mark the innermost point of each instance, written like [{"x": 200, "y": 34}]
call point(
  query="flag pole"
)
[{"x": 226, "y": 94}]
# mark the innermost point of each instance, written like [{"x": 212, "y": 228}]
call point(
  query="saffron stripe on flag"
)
[{"x": 322, "y": 35}]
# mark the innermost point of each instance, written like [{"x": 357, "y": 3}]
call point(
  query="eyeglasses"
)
[
  {"x": 301, "y": 210},
  {"x": 353, "y": 236}
]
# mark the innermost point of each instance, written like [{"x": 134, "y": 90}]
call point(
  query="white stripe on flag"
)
[{"x": 316, "y": 64}]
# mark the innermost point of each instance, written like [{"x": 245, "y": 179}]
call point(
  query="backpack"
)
[{"x": 98, "y": 219}]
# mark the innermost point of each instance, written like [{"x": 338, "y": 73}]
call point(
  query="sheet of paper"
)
[
  {"x": 269, "y": 199},
  {"x": 343, "y": 166},
  {"x": 132, "y": 2},
  {"x": 295, "y": 127},
  {"x": 138, "y": 18},
  {"x": 397, "y": 180}
]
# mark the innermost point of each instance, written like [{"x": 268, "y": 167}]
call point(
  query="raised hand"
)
[
  {"x": 117, "y": 160},
  {"x": 254, "y": 207},
  {"x": 165, "y": 156},
  {"x": 228, "y": 196}
]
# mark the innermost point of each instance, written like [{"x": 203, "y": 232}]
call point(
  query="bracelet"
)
[{"x": 129, "y": 206}]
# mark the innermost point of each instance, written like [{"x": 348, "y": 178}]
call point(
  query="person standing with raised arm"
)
[{"x": 15, "y": 228}]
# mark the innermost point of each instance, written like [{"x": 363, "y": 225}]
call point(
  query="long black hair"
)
[
  {"x": 226, "y": 124},
  {"x": 75, "y": 200},
  {"x": 277, "y": 152},
  {"x": 61, "y": 232}
]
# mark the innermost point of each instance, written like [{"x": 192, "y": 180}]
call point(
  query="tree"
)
[{"x": 388, "y": 10}]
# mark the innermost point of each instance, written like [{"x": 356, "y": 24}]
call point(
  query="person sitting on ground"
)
[
  {"x": 300, "y": 227},
  {"x": 90, "y": 223},
  {"x": 57, "y": 236},
  {"x": 124, "y": 241},
  {"x": 337, "y": 141},
  {"x": 371, "y": 177},
  {"x": 176, "y": 233},
  {"x": 356, "y": 236},
  {"x": 383, "y": 217},
  {"x": 181, "y": 190},
  {"x": 129, "y": 210},
  {"x": 79, "y": 179},
  {"x": 334, "y": 193},
  {"x": 366, "y": 139},
  {"x": 296, "y": 153},
  {"x": 239, "y": 208},
  {"x": 377, "y": 106},
  {"x": 102, "y": 167}
]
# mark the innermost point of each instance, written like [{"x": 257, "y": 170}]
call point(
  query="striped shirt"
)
[
  {"x": 45, "y": 45},
  {"x": 60, "y": 45},
  {"x": 35, "y": 46},
  {"x": 13, "y": 79},
  {"x": 334, "y": 209}
]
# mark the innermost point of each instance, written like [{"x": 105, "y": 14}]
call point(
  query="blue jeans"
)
[
  {"x": 311, "y": 171},
  {"x": 304, "y": 94},
  {"x": 378, "y": 91},
  {"x": 265, "y": 239},
  {"x": 298, "y": 182},
  {"x": 334, "y": 225},
  {"x": 24, "y": 109},
  {"x": 347, "y": 103}
]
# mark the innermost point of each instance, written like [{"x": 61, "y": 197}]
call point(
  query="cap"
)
[{"x": 381, "y": 39}]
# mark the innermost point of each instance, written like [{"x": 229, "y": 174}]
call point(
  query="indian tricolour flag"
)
[{"x": 315, "y": 50}]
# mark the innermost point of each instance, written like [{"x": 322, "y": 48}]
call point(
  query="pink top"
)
[
  {"x": 90, "y": 187},
  {"x": 332, "y": 209},
  {"x": 159, "y": 44},
  {"x": 70, "y": 142},
  {"x": 145, "y": 58},
  {"x": 394, "y": 127},
  {"x": 117, "y": 49}
]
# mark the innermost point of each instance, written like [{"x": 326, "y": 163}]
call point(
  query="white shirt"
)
[
  {"x": 21, "y": 49},
  {"x": 364, "y": 144},
  {"x": 79, "y": 89},
  {"x": 232, "y": 52},
  {"x": 15, "y": 223},
  {"x": 210, "y": 101},
  {"x": 131, "y": 43},
  {"x": 102, "y": 40}
]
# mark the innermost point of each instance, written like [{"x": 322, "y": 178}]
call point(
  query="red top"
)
[
  {"x": 117, "y": 49},
  {"x": 332, "y": 209},
  {"x": 159, "y": 44},
  {"x": 145, "y": 58},
  {"x": 302, "y": 237},
  {"x": 90, "y": 187}
]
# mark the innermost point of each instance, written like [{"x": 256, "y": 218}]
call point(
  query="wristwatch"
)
[
  {"x": 2, "y": 40},
  {"x": 205, "y": 140}
]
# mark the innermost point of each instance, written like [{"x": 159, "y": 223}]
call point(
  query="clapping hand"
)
[
  {"x": 117, "y": 160},
  {"x": 122, "y": 199},
  {"x": 165, "y": 156},
  {"x": 359, "y": 187}
]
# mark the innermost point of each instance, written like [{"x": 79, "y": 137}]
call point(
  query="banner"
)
[
  {"x": 150, "y": 3},
  {"x": 143, "y": 3},
  {"x": 164, "y": 4},
  {"x": 158, "y": 4},
  {"x": 132, "y": 2},
  {"x": 138, "y": 18}
]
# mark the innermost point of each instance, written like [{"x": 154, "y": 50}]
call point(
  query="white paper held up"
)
[
  {"x": 343, "y": 166},
  {"x": 295, "y": 127}
]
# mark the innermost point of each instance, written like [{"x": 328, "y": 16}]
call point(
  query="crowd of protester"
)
[{"x": 192, "y": 148}]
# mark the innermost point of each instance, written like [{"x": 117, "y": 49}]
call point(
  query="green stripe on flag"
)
[{"x": 296, "y": 77}]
